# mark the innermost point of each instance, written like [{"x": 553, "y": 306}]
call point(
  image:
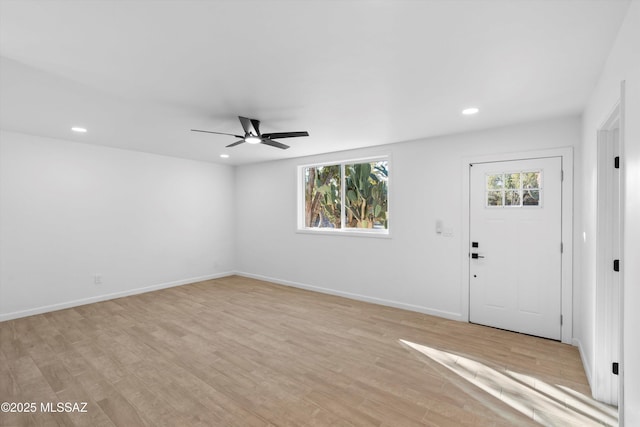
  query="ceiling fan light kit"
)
[
  {"x": 252, "y": 134},
  {"x": 252, "y": 140}
]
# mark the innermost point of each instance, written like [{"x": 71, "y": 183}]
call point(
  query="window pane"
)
[
  {"x": 531, "y": 180},
  {"x": 494, "y": 198},
  {"x": 322, "y": 196},
  {"x": 494, "y": 182},
  {"x": 512, "y": 198},
  {"x": 366, "y": 204},
  {"x": 531, "y": 197},
  {"x": 512, "y": 180}
]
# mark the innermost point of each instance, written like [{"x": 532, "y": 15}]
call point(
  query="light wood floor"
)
[{"x": 241, "y": 352}]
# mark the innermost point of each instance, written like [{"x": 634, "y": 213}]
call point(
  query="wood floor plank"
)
[{"x": 238, "y": 351}]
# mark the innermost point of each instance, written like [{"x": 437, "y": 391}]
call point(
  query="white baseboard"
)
[
  {"x": 358, "y": 297},
  {"x": 105, "y": 297},
  {"x": 587, "y": 368}
]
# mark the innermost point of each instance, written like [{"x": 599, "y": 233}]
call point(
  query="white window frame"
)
[{"x": 342, "y": 231}]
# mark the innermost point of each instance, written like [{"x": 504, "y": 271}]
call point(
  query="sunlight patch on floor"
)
[{"x": 545, "y": 403}]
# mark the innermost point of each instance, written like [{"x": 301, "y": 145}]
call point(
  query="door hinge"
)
[
  {"x": 616, "y": 162},
  {"x": 616, "y": 265},
  {"x": 561, "y": 320},
  {"x": 614, "y": 368},
  {"x": 561, "y": 247},
  {"x": 562, "y": 175}
]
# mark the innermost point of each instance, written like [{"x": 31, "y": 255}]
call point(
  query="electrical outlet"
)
[{"x": 97, "y": 279}]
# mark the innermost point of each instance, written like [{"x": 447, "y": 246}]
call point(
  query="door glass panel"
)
[
  {"x": 513, "y": 189},
  {"x": 531, "y": 197},
  {"x": 494, "y": 181},
  {"x": 512, "y": 198},
  {"x": 531, "y": 180},
  {"x": 494, "y": 198},
  {"x": 512, "y": 180}
]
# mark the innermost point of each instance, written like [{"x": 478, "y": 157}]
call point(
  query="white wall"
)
[
  {"x": 416, "y": 268},
  {"x": 70, "y": 210},
  {"x": 623, "y": 64}
]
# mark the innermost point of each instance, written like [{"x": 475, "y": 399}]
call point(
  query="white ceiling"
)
[{"x": 140, "y": 74}]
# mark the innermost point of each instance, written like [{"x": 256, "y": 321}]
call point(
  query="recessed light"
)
[
  {"x": 78, "y": 129},
  {"x": 470, "y": 111},
  {"x": 224, "y": 156}
]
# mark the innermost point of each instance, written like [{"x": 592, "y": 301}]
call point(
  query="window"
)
[
  {"x": 322, "y": 196},
  {"x": 346, "y": 196},
  {"x": 514, "y": 189}
]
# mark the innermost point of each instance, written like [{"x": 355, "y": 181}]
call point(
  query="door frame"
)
[
  {"x": 566, "y": 155},
  {"x": 604, "y": 388}
]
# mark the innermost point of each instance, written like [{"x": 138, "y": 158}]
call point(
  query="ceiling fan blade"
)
[
  {"x": 273, "y": 143},
  {"x": 236, "y": 143},
  {"x": 217, "y": 133},
  {"x": 285, "y": 134},
  {"x": 248, "y": 125},
  {"x": 256, "y": 126}
]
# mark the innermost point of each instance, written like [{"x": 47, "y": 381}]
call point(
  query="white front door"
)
[{"x": 515, "y": 245}]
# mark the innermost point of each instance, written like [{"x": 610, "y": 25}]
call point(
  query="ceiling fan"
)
[{"x": 252, "y": 134}]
